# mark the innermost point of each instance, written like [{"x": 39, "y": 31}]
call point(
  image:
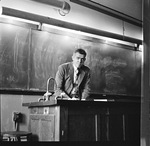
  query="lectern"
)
[{"x": 68, "y": 120}]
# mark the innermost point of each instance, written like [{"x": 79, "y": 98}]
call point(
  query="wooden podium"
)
[{"x": 67, "y": 120}]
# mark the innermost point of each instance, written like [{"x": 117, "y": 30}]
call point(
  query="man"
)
[{"x": 73, "y": 78}]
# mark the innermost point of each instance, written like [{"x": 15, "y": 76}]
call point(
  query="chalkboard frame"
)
[{"x": 83, "y": 37}]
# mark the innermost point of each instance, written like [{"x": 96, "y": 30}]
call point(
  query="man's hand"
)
[
  {"x": 64, "y": 96},
  {"x": 74, "y": 98}
]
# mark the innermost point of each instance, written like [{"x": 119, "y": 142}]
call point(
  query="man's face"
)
[{"x": 78, "y": 59}]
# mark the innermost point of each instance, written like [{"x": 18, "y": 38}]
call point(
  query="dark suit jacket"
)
[{"x": 64, "y": 80}]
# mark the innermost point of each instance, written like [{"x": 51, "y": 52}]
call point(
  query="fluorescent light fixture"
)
[
  {"x": 70, "y": 29},
  {"x": 45, "y": 26},
  {"x": 51, "y": 28},
  {"x": 11, "y": 14},
  {"x": 10, "y": 19}
]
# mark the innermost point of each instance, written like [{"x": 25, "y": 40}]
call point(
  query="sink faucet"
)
[{"x": 48, "y": 94}]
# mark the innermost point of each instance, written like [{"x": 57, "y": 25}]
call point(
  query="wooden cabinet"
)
[
  {"x": 63, "y": 120},
  {"x": 43, "y": 127},
  {"x": 44, "y": 123}
]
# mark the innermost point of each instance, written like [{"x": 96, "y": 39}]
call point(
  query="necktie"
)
[
  {"x": 76, "y": 75},
  {"x": 75, "y": 89}
]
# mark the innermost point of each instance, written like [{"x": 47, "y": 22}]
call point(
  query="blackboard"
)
[
  {"x": 14, "y": 49},
  {"x": 30, "y": 57}
]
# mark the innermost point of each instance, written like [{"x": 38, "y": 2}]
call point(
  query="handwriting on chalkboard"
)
[
  {"x": 14, "y": 58},
  {"x": 113, "y": 77}
]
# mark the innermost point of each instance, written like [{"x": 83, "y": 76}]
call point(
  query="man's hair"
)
[{"x": 81, "y": 51}]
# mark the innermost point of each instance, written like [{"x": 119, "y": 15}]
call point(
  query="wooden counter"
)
[{"x": 67, "y": 120}]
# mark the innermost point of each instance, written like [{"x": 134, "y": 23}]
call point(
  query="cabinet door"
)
[
  {"x": 42, "y": 127},
  {"x": 81, "y": 127}
]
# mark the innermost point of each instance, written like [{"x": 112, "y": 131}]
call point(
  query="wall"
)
[
  {"x": 145, "y": 99},
  {"x": 13, "y": 103},
  {"x": 132, "y": 8},
  {"x": 78, "y": 15}
]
